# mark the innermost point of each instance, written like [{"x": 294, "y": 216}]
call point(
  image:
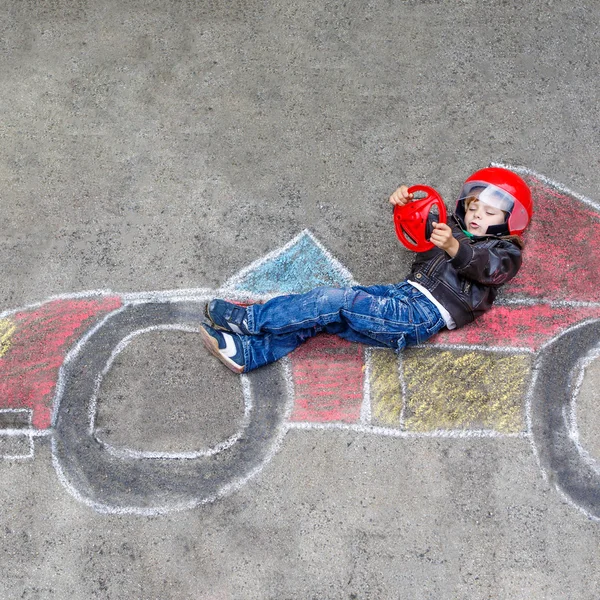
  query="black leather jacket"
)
[{"x": 467, "y": 285}]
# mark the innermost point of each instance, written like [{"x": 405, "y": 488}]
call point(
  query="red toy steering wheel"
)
[{"x": 411, "y": 219}]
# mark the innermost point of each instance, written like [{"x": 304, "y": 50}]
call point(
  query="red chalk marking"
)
[
  {"x": 43, "y": 336},
  {"x": 328, "y": 380},
  {"x": 561, "y": 260},
  {"x": 517, "y": 326}
]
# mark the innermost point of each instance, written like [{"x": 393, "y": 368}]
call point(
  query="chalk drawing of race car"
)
[{"x": 54, "y": 356}]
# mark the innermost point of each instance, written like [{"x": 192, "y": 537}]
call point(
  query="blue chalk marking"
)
[{"x": 297, "y": 267}]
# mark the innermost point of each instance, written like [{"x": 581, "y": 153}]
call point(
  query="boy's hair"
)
[
  {"x": 517, "y": 240},
  {"x": 470, "y": 199}
]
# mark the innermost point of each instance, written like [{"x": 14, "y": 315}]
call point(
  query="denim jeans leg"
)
[
  {"x": 285, "y": 314},
  {"x": 401, "y": 317},
  {"x": 392, "y": 316},
  {"x": 263, "y": 349}
]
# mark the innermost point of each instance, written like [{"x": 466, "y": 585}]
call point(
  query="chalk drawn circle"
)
[
  {"x": 115, "y": 483},
  {"x": 586, "y": 408},
  {"x": 553, "y": 419},
  {"x": 125, "y": 452}
]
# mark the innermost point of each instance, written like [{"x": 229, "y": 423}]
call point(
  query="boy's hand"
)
[
  {"x": 401, "y": 196},
  {"x": 442, "y": 238}
]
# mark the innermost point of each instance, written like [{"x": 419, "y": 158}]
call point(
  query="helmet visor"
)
[{"x": 489, "y": 194}]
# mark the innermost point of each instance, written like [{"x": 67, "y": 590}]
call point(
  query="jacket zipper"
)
[{"x": 434, "y": 265}]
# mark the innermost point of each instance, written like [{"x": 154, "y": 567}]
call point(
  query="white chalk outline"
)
[
  {"x": 28, "y": 432},
  {"x": 403, "y": 390},
  {"x": 202, "y": 294},
  {"x": 552, "y": 303},
  {"x": 571, "y": 420},
  {"x": 550, "y": 182},
  {"x": 365, "y": 422},
  {"x": 230, "y": 286},
  {"x": 125, "y": 452},
  {"x": 73, "y": 352},
  {"x": 569, "y": 416},
  {"x": 365, "y": 409},
  {"x": 71, "y": 296},
  {"x": 226, "y": 490},
  {"x": 400, "y": 433}
]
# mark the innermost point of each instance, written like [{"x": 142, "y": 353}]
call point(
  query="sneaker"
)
[
  {"x": 226, "y": 347},
  {"x": 227, "y": 316}
]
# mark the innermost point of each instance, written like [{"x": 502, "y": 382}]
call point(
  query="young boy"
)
[{"x": 448, "y": 286}]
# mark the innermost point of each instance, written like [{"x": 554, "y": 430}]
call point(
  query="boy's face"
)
[{"x": 480, "y": 216}]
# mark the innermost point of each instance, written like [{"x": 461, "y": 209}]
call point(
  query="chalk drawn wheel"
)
[
  {"x": 565, "y": 462},
  {"x": 115, "y": 483}
]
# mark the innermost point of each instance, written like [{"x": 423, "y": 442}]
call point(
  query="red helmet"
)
[{"x": 503, "y": 189}]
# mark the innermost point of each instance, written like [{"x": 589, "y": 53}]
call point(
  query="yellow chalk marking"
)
[
  {"x": 7, "y": 328},
  {"x": 465, "y": 390},
  {"x": 385, "y": 388}
]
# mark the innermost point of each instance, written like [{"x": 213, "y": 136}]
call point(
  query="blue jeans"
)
[{"x": 393, "y": 316}]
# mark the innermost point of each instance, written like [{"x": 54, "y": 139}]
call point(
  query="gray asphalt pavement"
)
[{"x": 152, "y": 146}]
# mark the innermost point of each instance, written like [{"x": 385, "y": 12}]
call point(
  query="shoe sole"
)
[{"x": 213, "y": 347}]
